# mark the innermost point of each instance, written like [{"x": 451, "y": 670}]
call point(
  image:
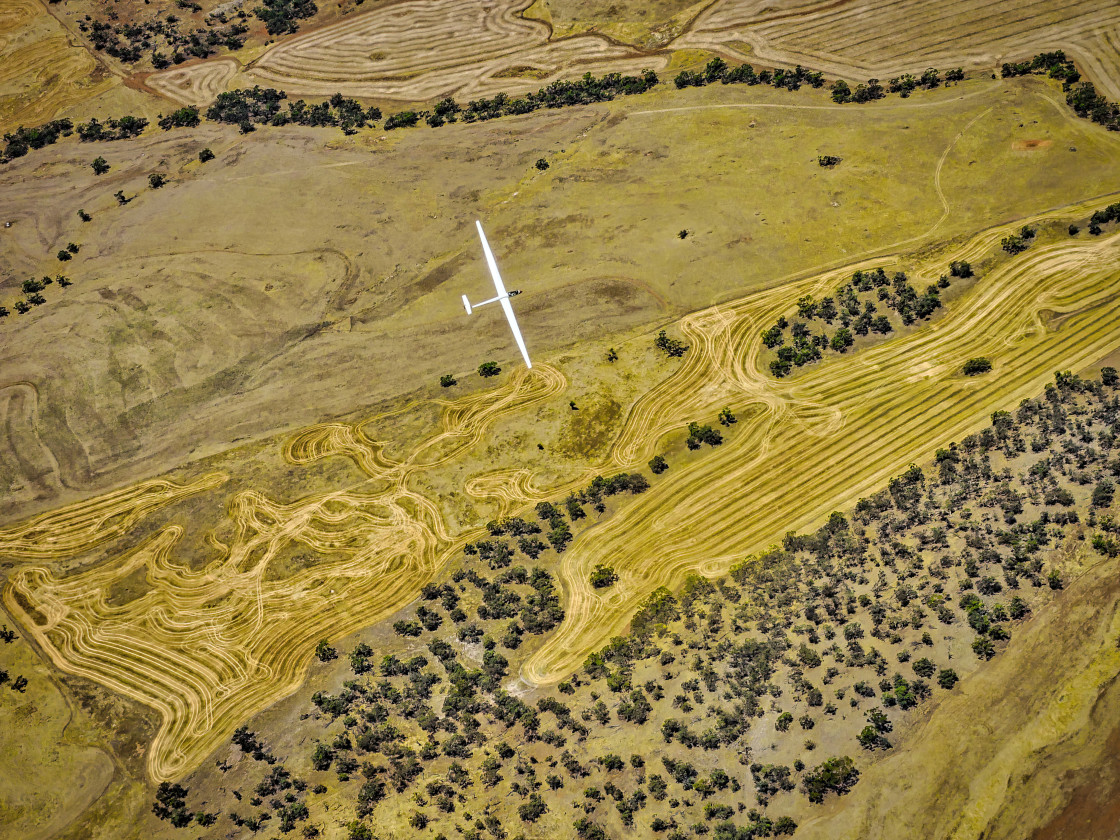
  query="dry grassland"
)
[
  {"x": 1029, "y": 743},
  {"x": 210, "y": 627}
]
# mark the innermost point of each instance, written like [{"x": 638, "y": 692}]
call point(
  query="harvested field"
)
[
  {"x": 196, "y": 84},
  {"x": 41, "y": 71},
  {"x": 845, "y": 427},
  {"x": 413, "y": 51},
  {"x": 420, "y": 50},
  {"x": 870, "y": 38},
  {"x": 209, "y": 648}
]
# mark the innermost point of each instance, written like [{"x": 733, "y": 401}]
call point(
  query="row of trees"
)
[{"x": 717, "y": 70}]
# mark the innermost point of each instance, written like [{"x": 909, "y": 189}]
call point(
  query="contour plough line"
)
[{"x": 209, "y": 648}]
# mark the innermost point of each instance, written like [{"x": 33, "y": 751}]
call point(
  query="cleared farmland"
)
[
  {"x": 857, "y": 40},
  {"x": 413, "y": 51},
  {"x": 209, "y": 647},
  {"x": 419, "y": 50}
]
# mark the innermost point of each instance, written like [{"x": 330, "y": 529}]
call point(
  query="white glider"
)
[{"x": 502, "y": 297}]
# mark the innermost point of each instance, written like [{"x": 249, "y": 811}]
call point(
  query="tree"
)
[
  {"x": 1103, "y": 493},
  {"x": 983, "y": 647},
  {"x": 726, "y": 418},
  {"x": 837, "y": 774},
  {"x": 924, "y": 667},
  {"x": 603, "y": 576},
  {"x": 976, "y": 366},
  {"x": 447, "y": 380},
  {"x": 489, "y": 369},
  {"x": 120, "y": 197},
  {"x": 205, "y": 155},
  {"x": 842, "y": 340},
  {"x": 947, "y": 678},
  {"x": 1109, "y": 377},
  {"x": 534, "y": 807},
  {"x": 156, "y": 180},
  {"x": 541, "y": 164},
  {"x": 658, "y": 464},
  {"x": 1054, "y": 579},
  {"x": 783, "y": 722},
  {"x": 100, "y": 166},
  {"x": 325, "y": 652},
  {"x": 671, "y": 346},
  {"x": 64, "y": 256},
  {"x": 960, "y": 268},
  {"x": 84, "y": 216}
]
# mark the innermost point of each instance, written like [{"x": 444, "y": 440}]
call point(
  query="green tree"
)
[
  {"x": 489, "y": 369},
  {"x": 100, "y": 166},
  {"x": 157, "y": 180},
  {"x": 947, "y": 678},
  {"x": 983, "y": 647},
  {"x": 603, "y": 576},
  {"x": 976, "y": 366},
  {"x": 838, "y": 774},
  {"x": 842, "y": 340},
  {"x": 924, "y": 667},
  {"x": 325, "y": 652},
  {"x": 541, "y": 164},
  {"x": 205, "y": 155},
  {"x": 658, "y": 465},
  {"x": 1103, "y": 493},
  {"x": 447, "y": 380}
]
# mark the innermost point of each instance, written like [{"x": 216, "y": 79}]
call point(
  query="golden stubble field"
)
[{"x": 409, "y": 51}]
